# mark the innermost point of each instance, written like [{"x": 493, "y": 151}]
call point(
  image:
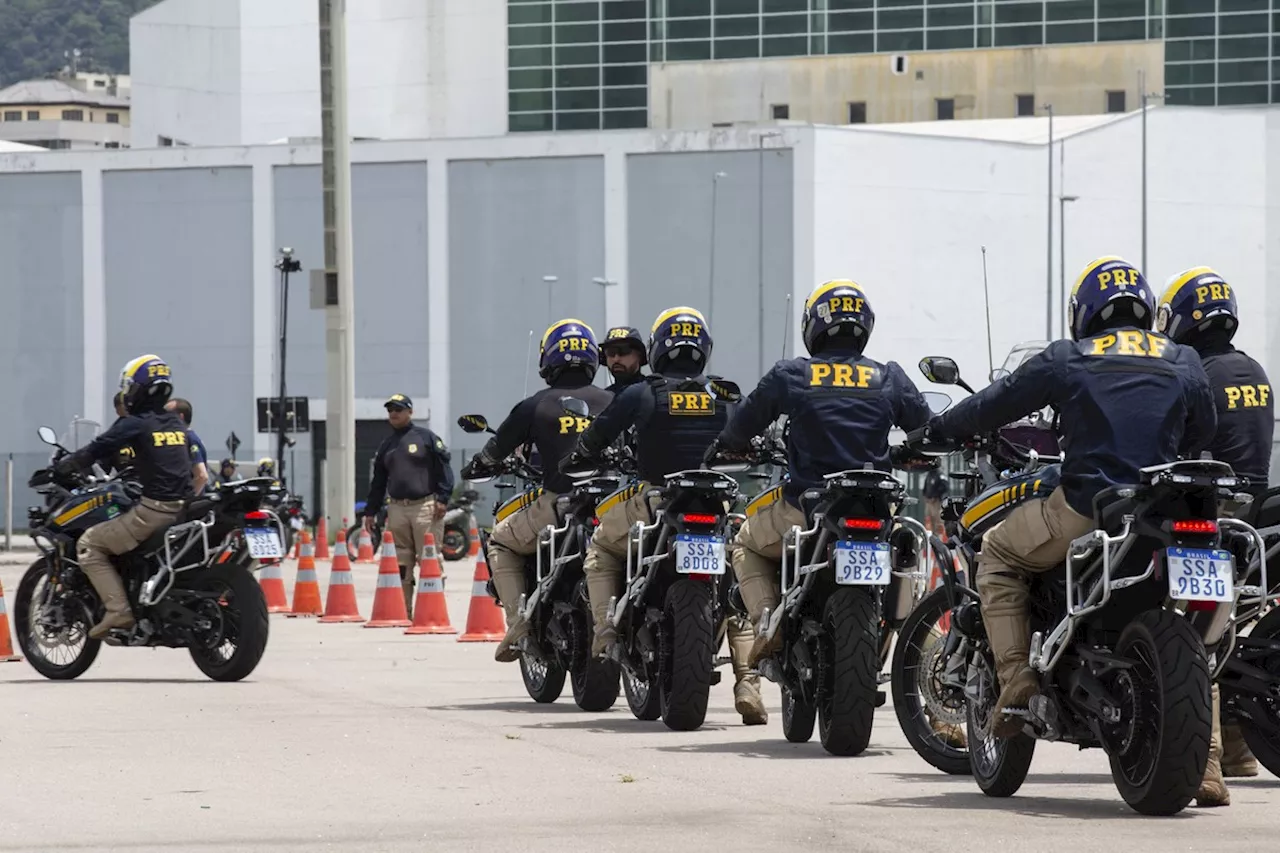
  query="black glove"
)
[
  {"x": 712, "y": 452},
  {"x": 68, "y": 464},
  {"x": 576, "y": 460}
]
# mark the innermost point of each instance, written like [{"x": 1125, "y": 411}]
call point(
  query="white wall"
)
[{"x": 280, "y": 69}]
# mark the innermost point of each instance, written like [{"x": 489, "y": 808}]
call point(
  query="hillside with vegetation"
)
[{"x": 37, "y": 35}]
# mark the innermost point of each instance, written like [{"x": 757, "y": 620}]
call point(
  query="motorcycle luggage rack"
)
[
  {"x": 528, "y": 603},
  {"x": 1257, "y": 595},
  {"x": 151, "y": 592},
  {"x": 635, "y": 556}
]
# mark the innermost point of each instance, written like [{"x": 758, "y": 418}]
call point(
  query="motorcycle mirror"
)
[
  {"x": 937, "y": 401},
  {"x": 940, "y": 371},
  {"x": 48, "y": 436},
  {"x": 575, "y": 406},
  {"x": 723, "y": 389},
  {"x": 473, "y": 423}
]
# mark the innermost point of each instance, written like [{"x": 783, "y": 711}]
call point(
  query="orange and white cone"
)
[
  {"x": 430, "y": 611},
  {"x": 6, "y": 644},
  {"x": 306, "y": 589},
  {"x": 322, "y": 540},
  {"x": 364, "y": 542},
  {"x": 388, "y": 599},
  {"x": 271, "y": 579},
  {"x": 474, "y": 536},
  {"x": 485, "y": 623},
  {"x": 340, "y": 605}
]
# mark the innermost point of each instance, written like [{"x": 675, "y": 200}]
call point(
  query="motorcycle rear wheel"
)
[
  {"x": 1265, "y": 745},
  {"x": 846, "y": 713},
  {"x": 244, "y": 611},
  {"x": 543, "y": 681},
  {"x": 999, "y": 765},
  {"x": 689, "y": 637}
]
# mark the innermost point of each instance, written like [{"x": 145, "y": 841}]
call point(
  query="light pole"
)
[
  {"x": 1144, "y": 95},
  {"x": 1062, "y": 255},
  {"x": 605, "y": 284},
  {"x": 711, "y": 272},
  {"x": 1048, "y": 264},
  {"x": 760, "y": 246},
  {"x": 549, "y": 281},
  {"x": 287, "y": 265}
]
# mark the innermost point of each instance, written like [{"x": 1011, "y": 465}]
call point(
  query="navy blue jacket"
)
[
  {"x": 840, "y": 408},
  {"x": 1246, "y": 413},
  {"x": 1127, "y": 399},
  {"x": 160, "y": 450}
]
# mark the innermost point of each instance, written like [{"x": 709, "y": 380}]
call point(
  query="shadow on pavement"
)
[
  {"x": 1039, "y": 807},
  {"x": 622, "y": 723},
  {"x": 527, "y": 706},
  {"x": 768, "y": 748},
  {"x": 91, "y": 680},
  {"x": 1034, "y": 779}
]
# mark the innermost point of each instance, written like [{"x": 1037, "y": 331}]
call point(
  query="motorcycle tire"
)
[
  {"x": 847, "y": 710},
  {"x": 642, "y": 699},
  {"x": 798, "y": 716},
  {"x": 595, "y": 681},
  {"x": 1178, "y": 683},
  {"x": 998, "y": 765},
  {"x": 916, "y": 664},
  {"x": 543, "y": 681},
  {"x": 689, "y": 638},
  {"x": 22, "y": 611},
  {"x": 1264, "y": 745},
  {"x": 247, "y": 607},
  {"x": 456, "y": 544}
]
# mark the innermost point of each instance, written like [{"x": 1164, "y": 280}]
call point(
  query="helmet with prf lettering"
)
[
  {"x": 266, "y": 467},
  {"x": 679, "y": 333},
  {"x": 145, "y": 383},
  {"x": 837, "y": 311},
  {"x": 568, "y": 344},
  {"x": 1195, "y": 302},
  {"x": 620, "y": 339},
  {"x": 1109, "y": 293}
]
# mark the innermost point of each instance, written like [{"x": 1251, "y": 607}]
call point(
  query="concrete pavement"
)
[{"x": 348, "y": 738}]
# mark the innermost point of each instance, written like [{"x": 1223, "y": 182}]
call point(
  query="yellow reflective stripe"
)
[
  {"x": 80, "y": 509},
  {"x": 623, "y": 494},
  {"x": 517, "y": 503},
  {"x": 989, "y": 505},
  {"x": 1181, "y": 281},
  {"x": 672, "y": 312},
  {"x": 763, "y": 500},
  {"x": 828, "y": 286},
  {"x": 135, "y": 364},
  {"x": 567, "y": 322},
  {"x": 1093, "y": 265}
]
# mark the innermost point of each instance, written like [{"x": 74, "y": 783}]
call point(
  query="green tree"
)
[{"x": 35, "y": 36}]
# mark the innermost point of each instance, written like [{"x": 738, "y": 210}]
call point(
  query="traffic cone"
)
[
  {"x": 430, "y": 611},
  {"x": 365, "y": 545},
  {"x": 271, "y": 579},
  {"x": 306, "y": 590},
  {"x": 485, "y": 623},
  {"x": 297, "y": 546},
  {"x": 322, "y": 540},
  {"x": 6, "y": 644},
  {"x": 388, "y": 599},
  {"x": 474, "y": 536},
  {"x": 340, "y": 605}
]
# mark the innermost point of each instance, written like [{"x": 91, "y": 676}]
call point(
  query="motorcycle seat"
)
[{"x": 1110, "y": 507}]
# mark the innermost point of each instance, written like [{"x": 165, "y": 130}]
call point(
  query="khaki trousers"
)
[
  {"x": 757, "y": 555},
  {"x": 120, "y": 536},
  {"x": 409, "y": 523},
  {"x": 513, "y": 539},
  {"x": 606, "y": 561},
  {"x": 1033, "y": 538}
]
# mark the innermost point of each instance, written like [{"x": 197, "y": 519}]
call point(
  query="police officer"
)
[
  {"x": 568, "y": 362},
  {"x": 123, "y": 461},
  {"x": 1128, "y": 398},
  {"x": 1199, "y": 309},
  {"x": 163, "y": 466},
  {"x": 199, "y": 456},
  {"x": 840, "y": 405},
  {"x": 227, "y": 471},
  {"x": 411, "y": 467},
  {"x": 266, "y": 467},
  {"x": 623, "y": 352},
  {"x": 674, "y": 421}
]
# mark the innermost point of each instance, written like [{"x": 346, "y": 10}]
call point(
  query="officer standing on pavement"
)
[{"x": 411, "y": 468}]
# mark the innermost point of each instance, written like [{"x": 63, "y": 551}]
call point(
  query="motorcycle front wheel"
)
[
  {"x": 53, "y": 625},
  {"x": 1263, "y": 736}
]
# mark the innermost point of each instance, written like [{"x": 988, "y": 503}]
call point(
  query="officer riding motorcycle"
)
[
  {"x": 162, "y": 465},
  {"x": 568, "y": 362},
  {"x": 1128, "y": 398},
  {"x": 1199, "y": 309},
  {"x": 623, "y": 354}
]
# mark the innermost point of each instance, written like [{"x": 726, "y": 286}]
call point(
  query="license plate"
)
[
  {"x": 1200, "y": 575},
  {"x": 264, "y": 543},
  {"x": 862, "y": 563},
  {"x": 699, "y": 555}
]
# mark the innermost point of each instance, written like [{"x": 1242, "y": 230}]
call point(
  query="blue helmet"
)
[
  {"x": 145, "y": 379},
  {"x": 565, "y": 344},
  {"x": 676, "y": 332},
  {"x": 838, "y": 307},
  {"x": 1197, "y": 300},
  {"x": 1110, "y": 292}
]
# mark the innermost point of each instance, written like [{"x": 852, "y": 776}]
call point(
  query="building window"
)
[
  {"x": 33, "y": 115},
  {"x": 781, "y": 111},
  {"x": 113, "y": 118},
  {"x": 111, "y": 145},
  {"x": 1115, "y": 102},
  {"x": 946, "y": 109},
  {"x": 164, "y": 141},
  {"x": 13, "y": 115},
  {"x": 1026, "y": 105},
  {"x": 857, "y": 112},
  {"x": 73, "y": 115}
]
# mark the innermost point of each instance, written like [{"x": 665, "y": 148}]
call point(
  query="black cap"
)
[{"x": 398, "y": 400}]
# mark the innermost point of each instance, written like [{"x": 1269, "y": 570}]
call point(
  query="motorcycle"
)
[
  {"x": 666, "y": 619},
  {"x": 288, "y": 508},
  {"x": 1121, "y": 639},
  {"x": 456, "y": 543},
  {"x": 556, "y": 608},
  {"x": 190, "y": 585}
]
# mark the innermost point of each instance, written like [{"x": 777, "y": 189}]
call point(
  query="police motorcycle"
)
[
  {"x": 190, "y": 585},
  {"x": 557, "y": 607},
  {"x": 1250, "y": 677},
  {"x": 668, "y": 617},
  {"x": 847, "y": 581},
  {"x": 1121, "y": 639}
]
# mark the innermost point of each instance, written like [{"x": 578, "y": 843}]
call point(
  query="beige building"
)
[
  {"x": 55, "y": 114},
  {"x": 879, "y": 88}
]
